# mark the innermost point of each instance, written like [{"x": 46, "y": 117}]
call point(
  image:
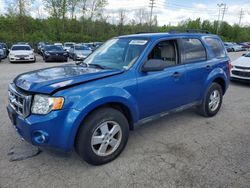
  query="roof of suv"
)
[{"x": 164, "y": 35}]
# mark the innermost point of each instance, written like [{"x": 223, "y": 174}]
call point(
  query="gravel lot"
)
[{"x": 180, "y": 150}]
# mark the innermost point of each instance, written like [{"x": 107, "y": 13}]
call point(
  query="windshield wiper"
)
[
  {"x": 97, "y": 66},
  {"x": 92, "y": 64}
]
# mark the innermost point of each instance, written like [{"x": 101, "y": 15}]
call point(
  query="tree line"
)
[{"x": 85, "y": 21}]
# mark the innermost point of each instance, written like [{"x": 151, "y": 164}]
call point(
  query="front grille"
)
[
  {"x": 20, "y": 102},
  {"x": 244, "y": 68},
  {"x": 21, "y": 56},
  {"x": 240, "y": 73}
]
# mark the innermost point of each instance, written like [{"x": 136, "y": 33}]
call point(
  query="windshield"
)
[
  {"x": 27, "y": 48},
  {"x": 53, "y": 48},
  {"x": 81, "y": 48},
  {"x": 118, "y": 53},
  {"x": 68, "y": 44}
]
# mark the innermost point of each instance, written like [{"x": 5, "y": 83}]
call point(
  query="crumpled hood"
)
[{"x": 49, "y": 80}]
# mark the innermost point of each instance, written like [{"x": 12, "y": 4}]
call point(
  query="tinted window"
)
[
  {"x": 14, "y": 48},
  {"x": 193, "y": 50},
  {"x": 81, "y": 48},
  {"x": 166, "y": 51},
  {"x": 216, "y": 47}
]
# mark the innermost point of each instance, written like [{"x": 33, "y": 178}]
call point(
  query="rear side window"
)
[
  {"x": 216, "y": 46},
  {"x": 193, "y": 50}
]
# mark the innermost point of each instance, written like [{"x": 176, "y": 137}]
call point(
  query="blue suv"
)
[{"x": 91, "y": 106}]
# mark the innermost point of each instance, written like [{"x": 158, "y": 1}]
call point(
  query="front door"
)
[{"x": 164, "y": 90}]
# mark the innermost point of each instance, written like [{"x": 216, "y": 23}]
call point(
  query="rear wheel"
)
[
  {"x": 102, "y": 136},
  {"x": 212, "y": 101}
]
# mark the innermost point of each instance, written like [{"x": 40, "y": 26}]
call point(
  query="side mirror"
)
[{"x": 153, "y": 65}]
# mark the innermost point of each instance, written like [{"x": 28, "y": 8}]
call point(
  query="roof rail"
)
[{"x": 190, "y": 31}]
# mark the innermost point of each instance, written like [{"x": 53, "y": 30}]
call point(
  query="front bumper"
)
[
  {"x": 56, "y": 58},
  {"x": 240, "y": 74},
  {"x": 55, "y": 130},
  {"x": 22, "y": 59}
]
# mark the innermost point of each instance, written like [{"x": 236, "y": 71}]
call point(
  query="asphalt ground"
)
[{"x": 180, "y": 150}]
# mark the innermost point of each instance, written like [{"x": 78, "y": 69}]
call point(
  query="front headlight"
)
[{"x": 43, "y": 104}]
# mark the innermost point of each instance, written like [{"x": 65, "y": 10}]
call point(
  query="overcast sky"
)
[{"x": 168, "y": 11}]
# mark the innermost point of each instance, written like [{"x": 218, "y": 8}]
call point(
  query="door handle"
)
[
  {"x": 208, "y": 67},
  {"x": 176, "y": 75}
]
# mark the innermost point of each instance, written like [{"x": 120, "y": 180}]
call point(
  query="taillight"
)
[{"x": 229, "y": 66}]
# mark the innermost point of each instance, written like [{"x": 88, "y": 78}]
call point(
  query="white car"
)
[
  {"x": 21, "y": 53},
  {"x": 68, "y": 45},
  {"x": 241, "y": 68}
]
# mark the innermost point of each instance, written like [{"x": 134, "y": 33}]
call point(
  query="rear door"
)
[{"x": 194, "y": 56}]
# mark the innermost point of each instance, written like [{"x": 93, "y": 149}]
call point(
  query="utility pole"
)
[
  {"x": 241, "y": 16},
  {"x": 151, "y": 6},
  {"x": 222, "y": 9}
]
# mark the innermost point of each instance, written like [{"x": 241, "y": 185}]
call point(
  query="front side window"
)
[
  {"x": 118, "y": 53},
  {"x": 193, "y": 50},
  {"x": 166, "y": 51},
  {"x": 217, "y": 47}
]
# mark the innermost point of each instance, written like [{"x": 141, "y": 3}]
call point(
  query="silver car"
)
[{"x": 79, "y": 52}]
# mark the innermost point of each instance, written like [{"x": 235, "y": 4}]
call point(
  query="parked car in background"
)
[
  {"x": 244, "y": 45},
  {"x": 129, "y": 80},
  {"x": 23, "y": 43},
  {"x": 228, "y": 48},
  {"x": 54, "y": 53},
  {"x": 40, "y": 46},
  {"x": 68, "y": 45},
  {"x": 2, "y": 54},
  {"x": 79, "y": 52},
  {"x": 58, "y": 44},
  {"x": 235, "y": 47},
  {"x": 89, "y": 45},
  {"x": 241, "y": 68},
  {"x": 5, "y": 49},
  {"x": 21, "y": 53}
]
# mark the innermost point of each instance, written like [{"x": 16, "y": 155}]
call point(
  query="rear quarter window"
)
[{"x": 216, "y": 47}]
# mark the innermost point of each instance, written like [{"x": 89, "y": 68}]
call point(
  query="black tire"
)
[
  {"x": 89, "y": 127},
  {"x": 204, "y": 109}
]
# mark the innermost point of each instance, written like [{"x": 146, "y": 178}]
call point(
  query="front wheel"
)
[
  {"x": 102, "y": 136},
  {"x": 212, "y": 101}
]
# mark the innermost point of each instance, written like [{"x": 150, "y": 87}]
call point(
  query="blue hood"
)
[{"x": 49, "y": 80}]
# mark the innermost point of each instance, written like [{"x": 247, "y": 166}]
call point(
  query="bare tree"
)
[
  {"x": 72, "y": 7},
  {"x": 57, "y": 10},
  {"x": 140, "y": 16},
  {"x": 122, "y": 19},
  {"x": 96, "y": 7}
]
